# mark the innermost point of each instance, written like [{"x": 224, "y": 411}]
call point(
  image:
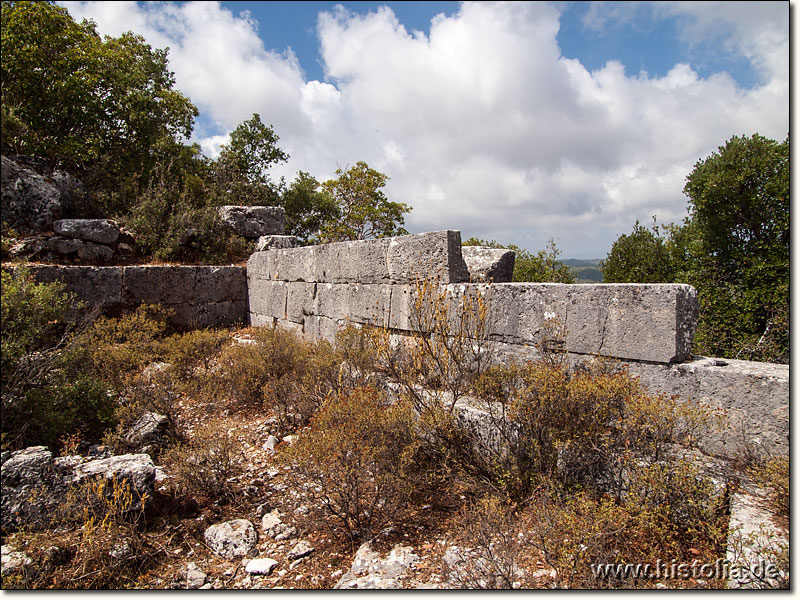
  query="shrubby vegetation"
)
[
  {"x": 567, "y": 467},
  {"x": 733, "y": 248}
]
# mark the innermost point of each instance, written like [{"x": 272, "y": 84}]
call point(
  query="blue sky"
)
[{"x": 517, "y": 122}]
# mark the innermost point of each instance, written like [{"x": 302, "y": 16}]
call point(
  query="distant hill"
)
[{"x": 585, "y": 270}]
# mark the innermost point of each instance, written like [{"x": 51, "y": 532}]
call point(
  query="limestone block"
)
[
  {"x": 96, "y": 286},
  {"x": 254, "y": 221},
  {"x": 231, "y": 539},
  {"x": 260, "y": 265},
  {"x": 489, "y": 264},
  {"x": 101, "y": 231},
  {"x": 197, "y": 315},
  {"x": 267, "y": 299},
  {"x": 63, "y": 245},
  {"x": 424, "y": 255},
  {"x": 300, "y": 300},
  {"x": 754, "y": 395},
  {"x": 265, "y": 242},
  {"x": 354, "y": 302},
  {"x": 401, "y": 259},
  {"x": 91, "y": 252},
  {"x": 627, "y": 321},
  {"x": 220, "y": 284},
  {"x": 159, "y": 284},
  {"x": 30, "y": 203},
  {"x": 296, "y": 264},
  {"x": 401, "y": 308}
]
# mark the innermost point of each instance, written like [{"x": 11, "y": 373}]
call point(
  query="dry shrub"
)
[
  {"x": 207, "y": 465},
  {"x": 447, "y": 348},
  {"x": 584, "y": 427},
  {"x": 246, "y": 369},
  {"x": 98, "y": 543},
  {"x": 117, "y": 349},
  {"x": 494, "y": 544},
  {"x": 353, "y": 468},
  {"x": 772, "y": 474},
  {"x": 193, "y": 354}
]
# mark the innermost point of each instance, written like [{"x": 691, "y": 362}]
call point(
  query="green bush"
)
[{"x": 47, "y": 392}]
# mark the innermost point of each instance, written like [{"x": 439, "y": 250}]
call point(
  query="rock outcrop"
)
[
  {"x": 254, "y": 221},
  {"x": 32, "y": 201}
]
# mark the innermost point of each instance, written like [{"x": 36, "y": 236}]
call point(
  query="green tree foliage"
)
[
  {"x": 542, "y": 267},
  {"x": 83, "y": 103},
  {"x": 640, "y": 257},
  {"x": 46, "y": 395},
  {"x": 307, "y": 208},
  {"x": 241, "y": 173},
  {"x": 363, "y": 209},
  {"x": 733, "y": 248},
  {"x": 739, "y": 202}
]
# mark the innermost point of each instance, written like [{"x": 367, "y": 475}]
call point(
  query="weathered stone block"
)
[
  {"x": 754, "y": 395},
  {"x": 300, "y": 300},
  {"x": 101, "y": 231},
  {"x": 489, "y": 264},
  {"x": 159, "y": 284},
  {"x": 220, "y": 284},
  {"x": 96, "y": 286},
  {"x": 30, "y": 203},
  {"x": 267, "y": 299},
  {"x": 260, "y": 265},
  {"x": 254, "y": 221},
  {"x": 627, "y": 321},
  {"x": 425, "y": 255},
  {"x": 91, "y": 252},
  {"x": 401, "y": 259},
  {"x": 266, "y": 242}
]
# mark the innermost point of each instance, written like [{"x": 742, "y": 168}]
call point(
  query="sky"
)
[{"x": 512, "y": 121}]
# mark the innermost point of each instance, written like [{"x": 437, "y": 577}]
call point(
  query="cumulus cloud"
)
[{"x": 482, "y": 125}]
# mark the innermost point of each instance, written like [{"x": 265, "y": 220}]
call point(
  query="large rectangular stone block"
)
[
  {"x": 159, "y": 284},
  {"x": 652, "y": 322},
  {"x": 220, "y": 284},
  {"x": 300, "y": 300},
  {"x": 267, "y": 299},
  {"x": 97, "y": 287},
  {"x": 401, "y": 259},
  {"x": 357, "y": 303}
]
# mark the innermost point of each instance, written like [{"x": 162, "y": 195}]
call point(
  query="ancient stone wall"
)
[
  {"x": 316, "y": 290},
  {"x": 198, "y": 296}
]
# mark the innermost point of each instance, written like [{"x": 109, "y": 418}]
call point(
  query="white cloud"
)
[{"x": 482, "y": 125}]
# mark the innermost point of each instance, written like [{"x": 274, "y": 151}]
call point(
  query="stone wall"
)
[
  {"x": 316, "y": 290},
  {"x": 313, "y": 290},
  {"x": 199, "y": 296}
]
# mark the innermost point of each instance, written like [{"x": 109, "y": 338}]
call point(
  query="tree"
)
[
  {"x": 640, "y": 257},
  {"x": 542, "y": 267},
  {"x": 733, "y": 248},
  {"x": 307, "y": 208},
  {"x": 363, "y": 209},
  {"x": 739, "y": 204},
  {"x": 241, "y": 173},
  {"x": 86, "y": 104}
]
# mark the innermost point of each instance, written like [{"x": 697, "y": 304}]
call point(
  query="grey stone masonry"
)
[
  {"x": 102, "y": 231},
  {"x": 489, "y": 264},
  {"x": 199, "y": 296},
  {"x": 630, "y": 322},
  {"x": 254, "y": 221},
  {"x": 401, "y": 259}
]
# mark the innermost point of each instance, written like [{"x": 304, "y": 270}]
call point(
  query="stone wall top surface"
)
[{"x": 401, "y": 259}]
